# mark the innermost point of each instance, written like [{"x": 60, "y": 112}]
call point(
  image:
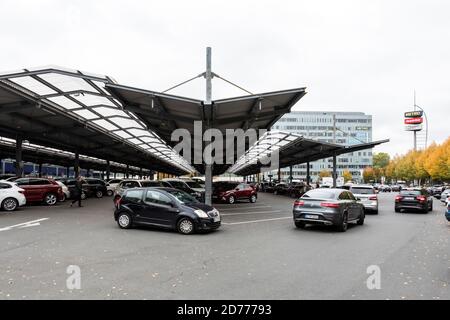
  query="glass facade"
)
[{"x": 351, "y": 128}]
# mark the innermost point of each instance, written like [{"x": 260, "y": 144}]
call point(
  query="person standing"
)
[{"x": 78, "y": 190}]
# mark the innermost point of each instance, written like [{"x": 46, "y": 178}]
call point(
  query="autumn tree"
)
[
  {"x": 368, "y": 174},
  {"x": 347, "y": 176},
  {"x": 324, "y": 174}
]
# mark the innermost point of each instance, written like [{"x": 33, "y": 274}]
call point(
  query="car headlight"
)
[{"x": 201, "y": 213}]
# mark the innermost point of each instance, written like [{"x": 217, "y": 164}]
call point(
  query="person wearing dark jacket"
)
[{"x": 78, "y": 190}]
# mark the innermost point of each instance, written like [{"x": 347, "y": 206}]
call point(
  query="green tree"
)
[{"x": 381, "y": 160}]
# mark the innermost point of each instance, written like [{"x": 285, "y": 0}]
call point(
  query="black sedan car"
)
[
  {"x": 91, "y": 187},
  {"x": 166, "y": 208},
  {"x": 333, "y": 207},
  {"x": 414, "y": 199}
]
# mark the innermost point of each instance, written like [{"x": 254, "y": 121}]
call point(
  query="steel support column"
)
[
  {"x": 334, "y": 172},
  {"x": 68, "y": 171},
  {"x": 76, "y": 166},
  {"x": 279, "y": 175},
  {"x": 308, "y": 174},
  {"x": 127, "y": 172},
  {"x": 40, "y": 170},
  {"x": 290, "y": 174},
  {"x": 108, "y": 169},
  {"x": 19, "y": 162},
  {"x": 208, "y": 167}
]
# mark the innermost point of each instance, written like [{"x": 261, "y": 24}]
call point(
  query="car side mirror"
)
[{"x": 358, "y": 199}]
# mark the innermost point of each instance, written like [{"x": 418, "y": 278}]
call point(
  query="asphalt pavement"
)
[{"x": 256, "y": 254}]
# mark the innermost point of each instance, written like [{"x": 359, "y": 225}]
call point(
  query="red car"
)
[
  {"x": 41, "y": 190},
  {"x": 232, "y": 191}
]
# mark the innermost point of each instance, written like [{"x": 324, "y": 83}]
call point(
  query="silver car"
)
[
  {"x": 444, "y": 195},
  {"x": 367, "y": 196}
]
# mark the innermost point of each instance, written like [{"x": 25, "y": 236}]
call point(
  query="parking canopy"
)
[
  {"x": 72, "y": 111},
  {"x": 164, "y": 113},
  {"x": 292, "y": 149}
]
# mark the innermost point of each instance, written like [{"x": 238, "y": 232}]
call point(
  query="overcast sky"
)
[{"x": 357, "y": 55}]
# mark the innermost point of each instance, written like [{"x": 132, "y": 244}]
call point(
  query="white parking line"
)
[
  {"x": 237, "y": 208},
  {"x": 254, "y": 221},
  {"x": 28, "y": 224},
  {"x": 244, "y": 213}
]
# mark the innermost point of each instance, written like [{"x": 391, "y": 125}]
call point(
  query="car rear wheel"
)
[
  {"x": 124, "y": 221},
  {"x": 300, "y": 224},
  {"x": 10, "y": 204},
  {"x": 109, "y": 193},
  {"x": 344, "y": 224},
  {"x": 231, "y": 200},
  {"x": 253, "y": 199},
  {"x": 50, "y": 199},
  {"x": 99, "y": 194},
  {"x": 185, "y": 226}
]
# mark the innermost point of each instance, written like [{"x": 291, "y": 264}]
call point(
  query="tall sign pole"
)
[
  {"x": 415, "y": 132},
  {"x": 208, "y": 102}
]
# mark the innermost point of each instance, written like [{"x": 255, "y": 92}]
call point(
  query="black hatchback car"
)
[
  {"x": 167, "y": 208},
  {"x": 414, "y": 199},
  {"x": 328, "y": 207}
]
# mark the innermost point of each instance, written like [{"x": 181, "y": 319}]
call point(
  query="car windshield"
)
[
  {"x": 193, "y": 184},
  {"x": 182, "y": 196},
  {"x": 320, "y": 194},
  {"x": 410, "y": 193},
  {"x": 357, "y": 190}
]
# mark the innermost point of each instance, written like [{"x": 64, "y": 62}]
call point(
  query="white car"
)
[
  {"x": 111, "y": 186},
  {"x": 367, "y": 196},
  {"x": 65, "y": 190},
  {"x": 11, "y": 196}
]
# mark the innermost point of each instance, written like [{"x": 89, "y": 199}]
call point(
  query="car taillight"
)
[
  {"x": 373, "y": 198},
  {"x": 329, "y": 205},
  {"x": 299, "y": 203},
  {"x": 421, "y": 198},
  {"x": 398, "y": 198}
]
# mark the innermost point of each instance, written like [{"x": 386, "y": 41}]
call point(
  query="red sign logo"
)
[{"x": 413, "y": 120}]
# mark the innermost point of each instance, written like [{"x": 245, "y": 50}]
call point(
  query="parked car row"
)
[
  {"x": 15, "y": 191},
  {"x": 293, "y": 190}
]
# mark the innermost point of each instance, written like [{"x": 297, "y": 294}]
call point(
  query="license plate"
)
[
  {"x": 409, "y": 198},
  {"x": 311, "y": 216}
]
